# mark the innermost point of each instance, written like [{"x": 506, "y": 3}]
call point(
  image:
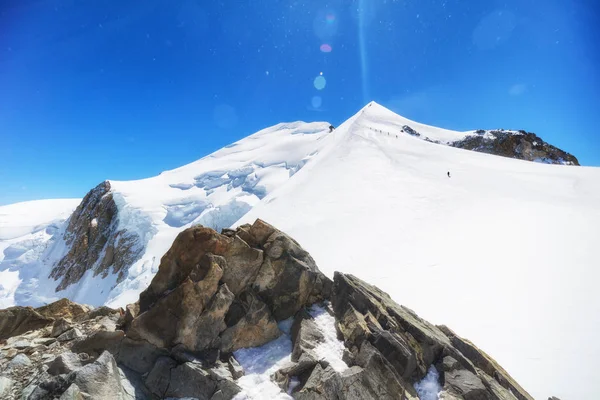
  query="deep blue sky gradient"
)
[{"x": 94, "y": 90}]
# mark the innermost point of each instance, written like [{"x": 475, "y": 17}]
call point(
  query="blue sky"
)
[{"x": 94, "y": 90}]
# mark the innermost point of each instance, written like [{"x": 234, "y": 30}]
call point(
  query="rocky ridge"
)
[
  {"x": 216, "y": 293},
  {"x": 94, "y": 241},
  {"x": 516, "y": 144}
]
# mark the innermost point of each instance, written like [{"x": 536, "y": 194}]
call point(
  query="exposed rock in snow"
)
[
  {"x": 326, "y": 186},
  {"x": 94, "y": 240},
  {"x": 180, "y": 343}
]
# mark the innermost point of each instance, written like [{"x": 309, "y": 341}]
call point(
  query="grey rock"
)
[
  {"x": 60, "y": 326},
  {"x": 306, "y": 336},
  {"x": 64, "y": 363},
  {"x": 104, "y": 311},
  {"x": 21, "y": 344},
  {"x": 101, "y": 379},
  {"x": 98, "y": 342},
  {"x": 235, "y": 368},
  {"x": 72, "y": 393},
  {"x": 71, "y": 334},
  {"x": 191, "y": 380},
  {"x": 6, "y": 385},
  {"x": 44, "y": 341},
  {"x": 19, "y": 361},
  {"x": 159, "y": 377},
  {"x": 466, "y": 384},
  {"x": 139, "y": 356},
  {"x": 486, "y": 364}
]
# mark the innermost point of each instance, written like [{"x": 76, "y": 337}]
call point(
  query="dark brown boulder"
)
[{"x": 17, "y": 320}]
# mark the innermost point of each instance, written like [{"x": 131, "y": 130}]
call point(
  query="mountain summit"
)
[{"x": 501, "y": 249}]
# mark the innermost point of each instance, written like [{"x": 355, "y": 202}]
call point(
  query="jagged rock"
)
[
  {"x": 212, "y": 321},
  {"x": 94, "y": 241},
  {"x": 520, "y": 145},
  {"x": 6, "y": 385},
  {"x": 191, "y": 380},
  {"x": 410, "y": 344},
  {"x": 160, "y": 376},
  {"x": 486, "y": 363},
  {"x": 305, "y": 336},
  {"x": 185, "y": 254},
  {"x": 101, "y": 379},
  {"x": 98, "y": 342},
  {"x": 235, "y": 368},
  {"x": 71, "y": 334},
  {"x": 466, "y": 384},
  {"x": 73, "y": 393},
  {"x": 19, "y": 344},
  {"x": 178, "y": 318},
  {"x": 131, "y": 312},
  {"x": 10, "y": 353},
  {"x": 381, "y": 376},
  {"x": 19, "y": 361},
  {"x": 64, "y": 363},
  {"x": 18, "y": 320},
  {"x": 139, "y": 356},
  {"x": 222, "y": 376},
  {"x": 242, "y": 264},
  {"x": 254, "y": 327},
  {"x": 288, "y": 279},
  {"x": 64, "y": 308},
  {"x": 51, "y": 387},
  {"x": 103, "y": 311},
  {"x": 60, "y": 326}
]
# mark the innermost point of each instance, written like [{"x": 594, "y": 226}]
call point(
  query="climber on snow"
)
[
  {"x": 448, "y": 174},
  {"x": 331, "y": 128}
]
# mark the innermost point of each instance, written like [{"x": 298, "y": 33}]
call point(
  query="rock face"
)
[
  {"x": 384, "y": 336},
  {"x": 521, "y": 145},
  {"x": 17, "y": 320},
  {"x": 94, "y": 241},
  {"x": 227, "y": 291},
  {"x": 216, "y": 293}
]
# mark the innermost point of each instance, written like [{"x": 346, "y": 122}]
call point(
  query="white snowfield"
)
[
  {"x": 505, "y": 252},
  {"x": 25, "y": 230}
]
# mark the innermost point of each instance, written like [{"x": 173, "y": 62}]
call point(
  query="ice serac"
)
[{"x": 95, "y": 241}]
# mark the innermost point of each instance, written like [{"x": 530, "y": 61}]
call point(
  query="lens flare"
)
[
  {"x": 325, "y": 48},
  {"x": 330, "y": 18},
  {"x": 320, "y": 82},
  {"x": 316, "y": 101}
]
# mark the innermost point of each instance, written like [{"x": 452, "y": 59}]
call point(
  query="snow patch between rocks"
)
[
  {"x": 260, "y": 363},
  {"x": 429, "y": 387}
]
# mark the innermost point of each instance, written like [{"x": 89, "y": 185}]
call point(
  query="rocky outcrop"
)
[
  {"x": 94, "y": 241},
  {"x": 516, "y": 144},
  {"x": 17, "y": 320},
  {"x": 217, "y": 293},
  {"x": 227, "y": 291},
  {"x": 381, "y": 333}
]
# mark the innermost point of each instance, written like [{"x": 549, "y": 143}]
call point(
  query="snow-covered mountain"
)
[{"x": 504, "y": 250}]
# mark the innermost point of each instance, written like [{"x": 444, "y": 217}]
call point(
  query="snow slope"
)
[
  {"x": 505, "y": 252},
  {"x": 25, "y": 230},
  {"x": 214, "y": 191}
]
